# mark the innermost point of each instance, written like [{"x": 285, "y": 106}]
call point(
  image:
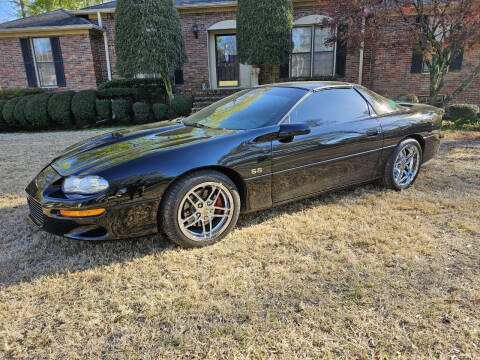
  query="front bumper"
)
[{"x": 120, "y": 222}]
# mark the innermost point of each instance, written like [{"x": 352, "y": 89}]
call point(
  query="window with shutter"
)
[{"x": 28, "y": 62}]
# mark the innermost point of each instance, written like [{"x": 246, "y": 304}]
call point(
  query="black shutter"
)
[
  {"x": 417, "y": 63},
  {"x": 456, "y": 64},
  {"x": 179, "y": 77},
  {"x": 28, "y": 61},
  {"x": 58, "y": 61},
  {"x": 341, "y": 62},
  {"x": 285, "y": 71}
]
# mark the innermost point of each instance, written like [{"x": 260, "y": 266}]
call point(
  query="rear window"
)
[{"x": 381, "y": 105}]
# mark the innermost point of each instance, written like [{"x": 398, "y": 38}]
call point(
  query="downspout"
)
[
  {"x": 362, "y": 50},
  {"x": 105, "y": 42}
]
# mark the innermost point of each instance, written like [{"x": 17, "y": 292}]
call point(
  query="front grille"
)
[{"x": 36, "y": 211}]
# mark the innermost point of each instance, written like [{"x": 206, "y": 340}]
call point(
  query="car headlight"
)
[{"x": 86, "y": 185}]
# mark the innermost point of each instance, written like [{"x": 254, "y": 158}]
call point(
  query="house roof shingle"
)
[
  {"x": 112, "y": 4},
  {"x": 53, "y": 18}
]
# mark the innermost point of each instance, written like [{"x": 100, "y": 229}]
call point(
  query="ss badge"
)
[{"x": 257, "y": 171}]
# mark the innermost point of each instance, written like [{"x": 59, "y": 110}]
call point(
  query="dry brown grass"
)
[{"x": 359, "y": 274}]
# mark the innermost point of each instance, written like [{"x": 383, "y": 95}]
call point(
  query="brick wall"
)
[
  {"x": 98, "y": 53},
  {"x": 78, "y": 62},
  {"x": 392, "y": 75},
  {"x": 108, "y": 23},
  {"x": 12, "y": 70}
]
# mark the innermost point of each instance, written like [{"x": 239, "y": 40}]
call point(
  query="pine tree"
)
[
  {"x": 149, "y": 39},
  {"x": 264, "y": 32}
]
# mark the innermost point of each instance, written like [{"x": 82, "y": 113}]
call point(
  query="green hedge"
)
[
  {"x": 462, "y": 114},
  {"x": 19, "y": 112},
  {"x": 141, "y": 112},
  {"x": 122, "y": 110},
  {"x": 8, "y": 110},
  {"x": 132, "y": 83},
  {"x": 83, "y": 107},
  {"x": 123, "y": 93},
  {"x": 160, "y": 111},
  {"x": 36, "y": 110},
  {"x": 13, "y": 93},
  {"x": 104, "y": 109},
  {"x": 3, "y": 123},
  {"x": 59, "y": 108},
  {"x": 182, "y": 105}
]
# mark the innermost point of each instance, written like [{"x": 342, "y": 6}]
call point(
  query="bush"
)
[
  {"x": 122, "y": 110},
  {"x": 409, "y": 98},
  {"x": 19, "y": 112},
  {"x": 36, "y": 110},
  {"x": 3, "y": 123},
  {"x": 123, "y": 93},
  {"x": 182, "y": 105},
  {"x": 8, "y": 110},
  {"x": 462, "y": 114},
  {"x": 59, "y": 108},
  {"x": 141, "y": 113},
  {"x": 132, "y": 83},
  {"x": 83, "y": 107},
  {"x": 13, "y": 93},
  {"x": 104, "y": 109},
  {"x": 160, "y": 111}
]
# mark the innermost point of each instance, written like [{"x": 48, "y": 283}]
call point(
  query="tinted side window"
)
[
  {"x": 380, "y": 104},
  {"x": 328, "y": 107}
]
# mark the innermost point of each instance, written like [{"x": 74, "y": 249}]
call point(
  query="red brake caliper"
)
[{"x": 219, "y": 203}]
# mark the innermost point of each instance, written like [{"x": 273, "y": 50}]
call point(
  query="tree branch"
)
[{"x": 464, "y": 85}]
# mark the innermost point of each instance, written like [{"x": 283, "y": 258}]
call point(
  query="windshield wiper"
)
[{"x": 197, "y": 125}]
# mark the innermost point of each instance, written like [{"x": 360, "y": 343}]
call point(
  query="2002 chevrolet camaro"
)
[{"x": 261, "y": 147}]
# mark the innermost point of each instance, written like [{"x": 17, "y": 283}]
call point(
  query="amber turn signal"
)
[{"x": 82, "y": 213}]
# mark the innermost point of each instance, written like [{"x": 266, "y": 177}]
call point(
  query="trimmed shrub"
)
[
  {"x": 36, "y": 110},
  {"x": 122, "y": 110},
  {"x": 104, "y": 109},
  {"x": 123, "y": 93},
  {"x": 160, "y": 111},
  {"x": 8, "y": 110},
  {"x": 182, "y": 105},
  {"x": 19, "y": 112},
  {"x": 409, "y": 98},
  {"x": 83, "y": 107},
  {"x": 13, "y": 93},
  {"x": 141, "y": 112},
  {"x": 132, "y": 83},
  {"x": 462, "y": 114},
  {"x": 59, "y": 108},
  {"x": 3, "y": 123}
]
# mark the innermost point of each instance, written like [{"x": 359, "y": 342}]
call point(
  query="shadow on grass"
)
[{"x": 27, "y": 253}]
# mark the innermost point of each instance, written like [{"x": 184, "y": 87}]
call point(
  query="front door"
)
[
  {"x": 228, "y": 68},
  {"x": 343, "y": 147}
]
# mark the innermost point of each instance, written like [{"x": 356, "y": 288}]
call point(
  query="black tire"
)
[
  {"x": 388, "y": 177},
  {"x": 169, "y": 208}
]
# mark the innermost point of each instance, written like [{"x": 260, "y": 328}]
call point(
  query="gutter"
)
[
  {"x": 50, "y": 28},
  {"x": 362, "y": 51},
  {"x": 105, "y": 43}
]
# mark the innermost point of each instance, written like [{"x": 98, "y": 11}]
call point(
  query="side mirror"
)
[{"x": 292, "y": 130}]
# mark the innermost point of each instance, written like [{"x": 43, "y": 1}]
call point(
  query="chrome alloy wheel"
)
[
  {"x": 406, "y": 165},
  {"x": 205, "y": 211}
]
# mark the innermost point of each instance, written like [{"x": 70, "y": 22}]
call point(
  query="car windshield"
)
[{"x": 248, "y": 109}]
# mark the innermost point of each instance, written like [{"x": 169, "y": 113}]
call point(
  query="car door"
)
[{"x": 343, "y": 147}]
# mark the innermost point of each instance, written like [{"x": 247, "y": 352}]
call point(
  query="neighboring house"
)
[{"x": 75, "y": 50}]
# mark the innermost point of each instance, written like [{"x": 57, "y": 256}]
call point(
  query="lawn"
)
[{"x": 358, "y": 274}]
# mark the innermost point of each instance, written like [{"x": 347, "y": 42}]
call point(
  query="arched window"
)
[{"x": 311, "y": 55}]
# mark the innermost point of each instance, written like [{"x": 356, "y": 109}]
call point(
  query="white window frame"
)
[
  {"x": 35, "y": 64},
  {"x": 312, "y": 51}
]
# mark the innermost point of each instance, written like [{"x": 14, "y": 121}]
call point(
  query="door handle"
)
[{"x": 372, "y": 133}]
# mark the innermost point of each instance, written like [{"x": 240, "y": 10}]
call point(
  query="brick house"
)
[{"x": 75, "y": 50}]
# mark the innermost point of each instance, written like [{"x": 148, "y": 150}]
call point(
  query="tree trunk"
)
[
  {"x": 272, "y": 74},
  {"x": 168, "y": 87}
]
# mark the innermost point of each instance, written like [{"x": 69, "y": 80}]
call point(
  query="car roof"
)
[{"x": 312, "y": 85}]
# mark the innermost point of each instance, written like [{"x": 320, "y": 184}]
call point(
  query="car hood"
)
[{"x": 113, "y": 148}]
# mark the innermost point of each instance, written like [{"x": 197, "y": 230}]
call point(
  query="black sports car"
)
[{"x": 258, "y": 148}]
